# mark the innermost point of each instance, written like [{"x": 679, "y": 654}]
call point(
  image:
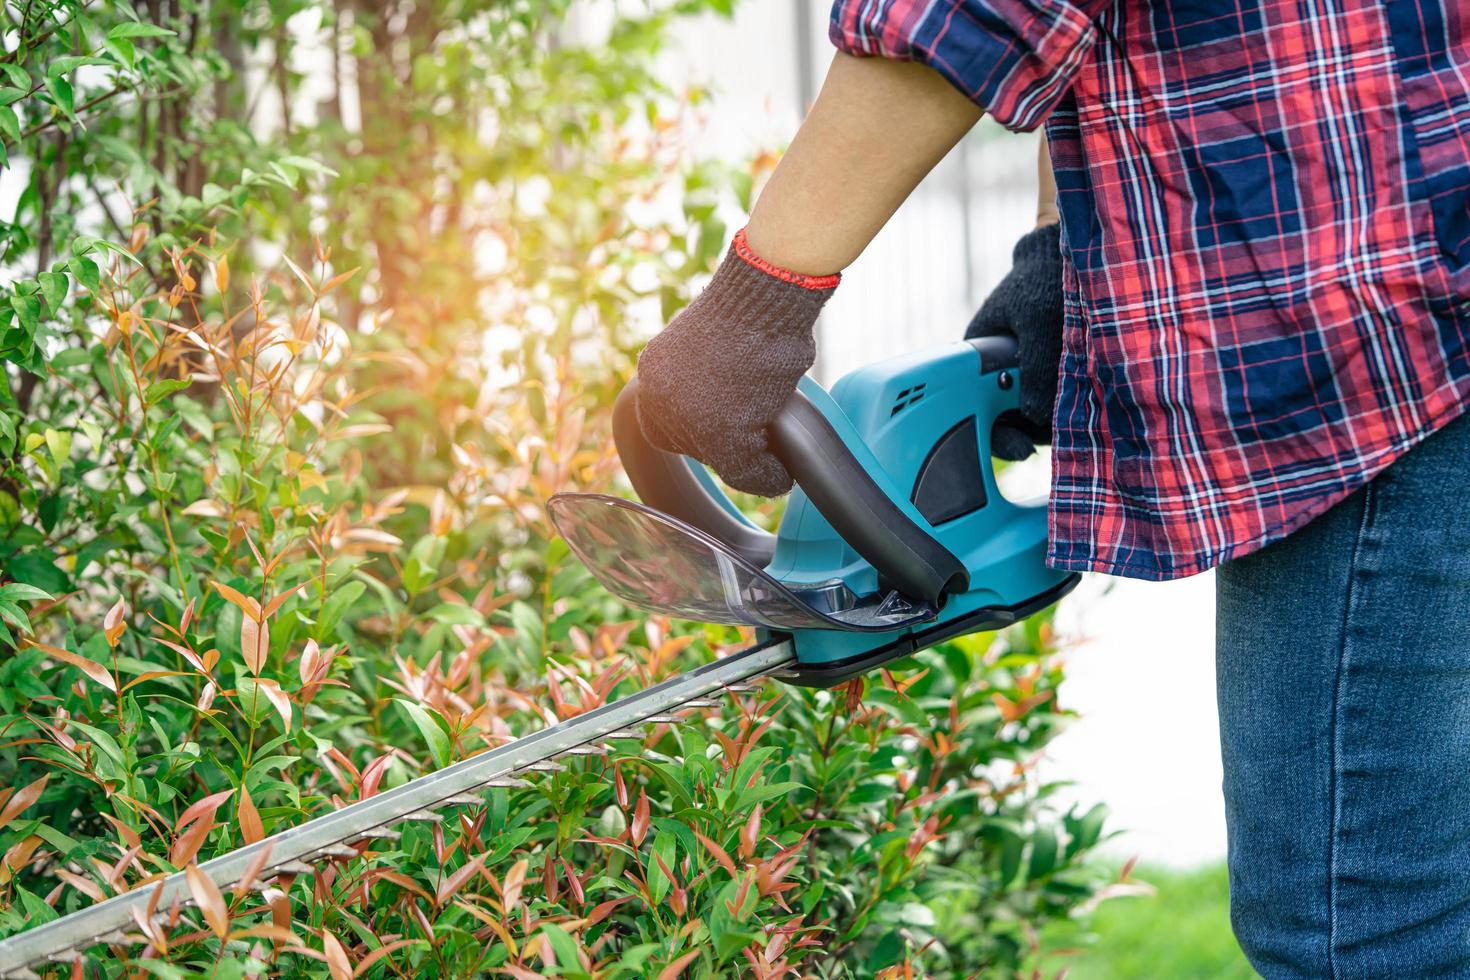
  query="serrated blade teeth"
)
[
  {"x": 505, "y": 782},
  {"x": 426, "y": 816},
  {"x": 114, "y": 937},
  {"x": 587, "y": 750},
  {"x": 338, "y": 851},
  {"x": 700, "y": 703},
  {"x": 463, "y": 799},
  {"x": 294, "y": 868},
  {"x": 624, "y": 735},
  {"x": 742, "y": 687},
  {"x": 379, "y": 833},
  {"x": 546, "y": 765},
  {"x": 663, "y": 719}
]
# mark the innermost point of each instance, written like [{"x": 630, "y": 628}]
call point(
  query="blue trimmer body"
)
[{"x": 895, "y": 538}]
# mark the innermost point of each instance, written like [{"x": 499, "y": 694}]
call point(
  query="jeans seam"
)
[{"x": 1335, "y": 739}]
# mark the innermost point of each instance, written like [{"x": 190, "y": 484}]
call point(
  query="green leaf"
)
[
  {"x": 20, "y": 592},
  {"x": 123, "y": 50},
  {"x": 58, "y": 443},
  {"x": 9, "y": 124},
  {"x": 70, "y": 63},
  {"x": 86, "y": 244},
  {"x": 61, "y": 94},
  {"x": 53, "y": 284},
  {"x": 453, "y": 614},
  {"x": 435, "y": 736},
  {"x": 18, "y": 76},
  {"x": 565, "y": 948},
  {"x": 86, "y": 272},
  {"x": 1043, "y": 853},
  {"x": 37, "y": 910},
  {"x": 28, "y": 311},
  {"x": 135, "y": 29},
  {"x": 160, "y": 390},
  {"x": 335, "y": 607},
  {"x": 309, "y": 165}
]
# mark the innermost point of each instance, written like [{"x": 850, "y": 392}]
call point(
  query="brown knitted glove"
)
[{"x": 711, "y": 382}]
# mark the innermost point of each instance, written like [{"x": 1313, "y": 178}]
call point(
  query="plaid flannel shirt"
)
[{"x": 1266, "y": 233}]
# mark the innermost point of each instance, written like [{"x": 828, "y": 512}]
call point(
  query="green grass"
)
[{"x": 1182, "y": 932}]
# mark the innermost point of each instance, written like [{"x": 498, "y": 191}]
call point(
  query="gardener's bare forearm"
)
[
  {"x": 875, "y": 130},
  {"x": 1046, "y": 189}
]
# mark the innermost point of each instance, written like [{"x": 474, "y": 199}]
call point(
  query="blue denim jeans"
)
[{"x": 1343, "y": 670}]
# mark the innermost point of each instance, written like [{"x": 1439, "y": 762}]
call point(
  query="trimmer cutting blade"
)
[{"x": 895, "y": 538}]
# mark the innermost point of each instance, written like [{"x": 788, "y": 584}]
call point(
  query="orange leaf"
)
[
  {"x": 15, "y": 802},
  {"x": 211, "y": 902},
  {"x": 91, "y": 668},
  {"x": 188, "y": 845},
  {"x": 337, "y": 960},
  {"x": 310, "y": 659},
  {"x": 638, "y": 829},
  {"x": 251, "y": 829},
  {"x": 750, "y": 834},
  {"x": 456, "y": 881},
  {"x": 365, "y": 964},
  {"x": 203, "y": 808},
  {"x": 114, "y": 623},
  {"x": 265, "y": 930},
  {"x": 153, "y": 675},
  {"x": 672, "y": 971},
  {"x": 303, "y": 277},
  {"x": 277, "y": 698},
  {"x": 222, "y": 273},
  {"x": 718, "y": 853},
  {"x": 255, "y": 643},
  {"x": 402, "y": 881},
  {"x": 83, "y": 885},
  {"x": 514, "y": 879},
  {"x": 252, "y": 871},
  {"x": 18, "y": 857},
  {"x": 276, "y": 601},
  {"x": 337, "y": 280},
  {"x": 247, "y": 605}
]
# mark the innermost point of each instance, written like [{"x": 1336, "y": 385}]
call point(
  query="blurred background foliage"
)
[{"x": 309, "y": 305}]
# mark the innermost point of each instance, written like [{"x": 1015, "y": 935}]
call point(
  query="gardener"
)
[{"x": 1249, "y": 339}]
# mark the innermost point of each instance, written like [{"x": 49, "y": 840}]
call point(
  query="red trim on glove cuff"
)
[{"x": 743, "y": 249}]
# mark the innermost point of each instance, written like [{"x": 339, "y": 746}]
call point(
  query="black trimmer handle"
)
[
  {"x": 907, "y": 557},
  {"x": 665, "y": 482}
]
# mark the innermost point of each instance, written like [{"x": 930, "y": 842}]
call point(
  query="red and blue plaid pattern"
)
[{"x": 1266, "y": 220}]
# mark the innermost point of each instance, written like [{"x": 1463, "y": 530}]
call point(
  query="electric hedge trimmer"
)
[{"x": 896, "y": 539}]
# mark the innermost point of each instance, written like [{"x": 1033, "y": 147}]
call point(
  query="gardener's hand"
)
[
  {"x": 1027, "y": 305},
  {"x": 711, "y": 382}
]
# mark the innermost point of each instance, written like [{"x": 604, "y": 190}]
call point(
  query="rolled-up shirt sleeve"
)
[{"x": 1013, "y": 58}]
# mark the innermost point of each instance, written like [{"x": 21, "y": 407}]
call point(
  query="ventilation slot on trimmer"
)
[{"x": 906, "y": 398}]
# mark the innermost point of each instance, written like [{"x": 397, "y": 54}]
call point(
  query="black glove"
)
[
  {"x": 711, "y": 382},
  {"x": 1027, "y": 305}
]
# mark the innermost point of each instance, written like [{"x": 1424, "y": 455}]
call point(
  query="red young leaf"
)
[
  {"x": 337, "y": 960},
  {"x": 210, "y": 901},
  {"x": 251, "y": 828},
  {"x": 14, "y": 802},
  {"x": 672, "y": 971},
  {"x": 202, "y": 808},
  {"x": 638, "y": 829}
]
